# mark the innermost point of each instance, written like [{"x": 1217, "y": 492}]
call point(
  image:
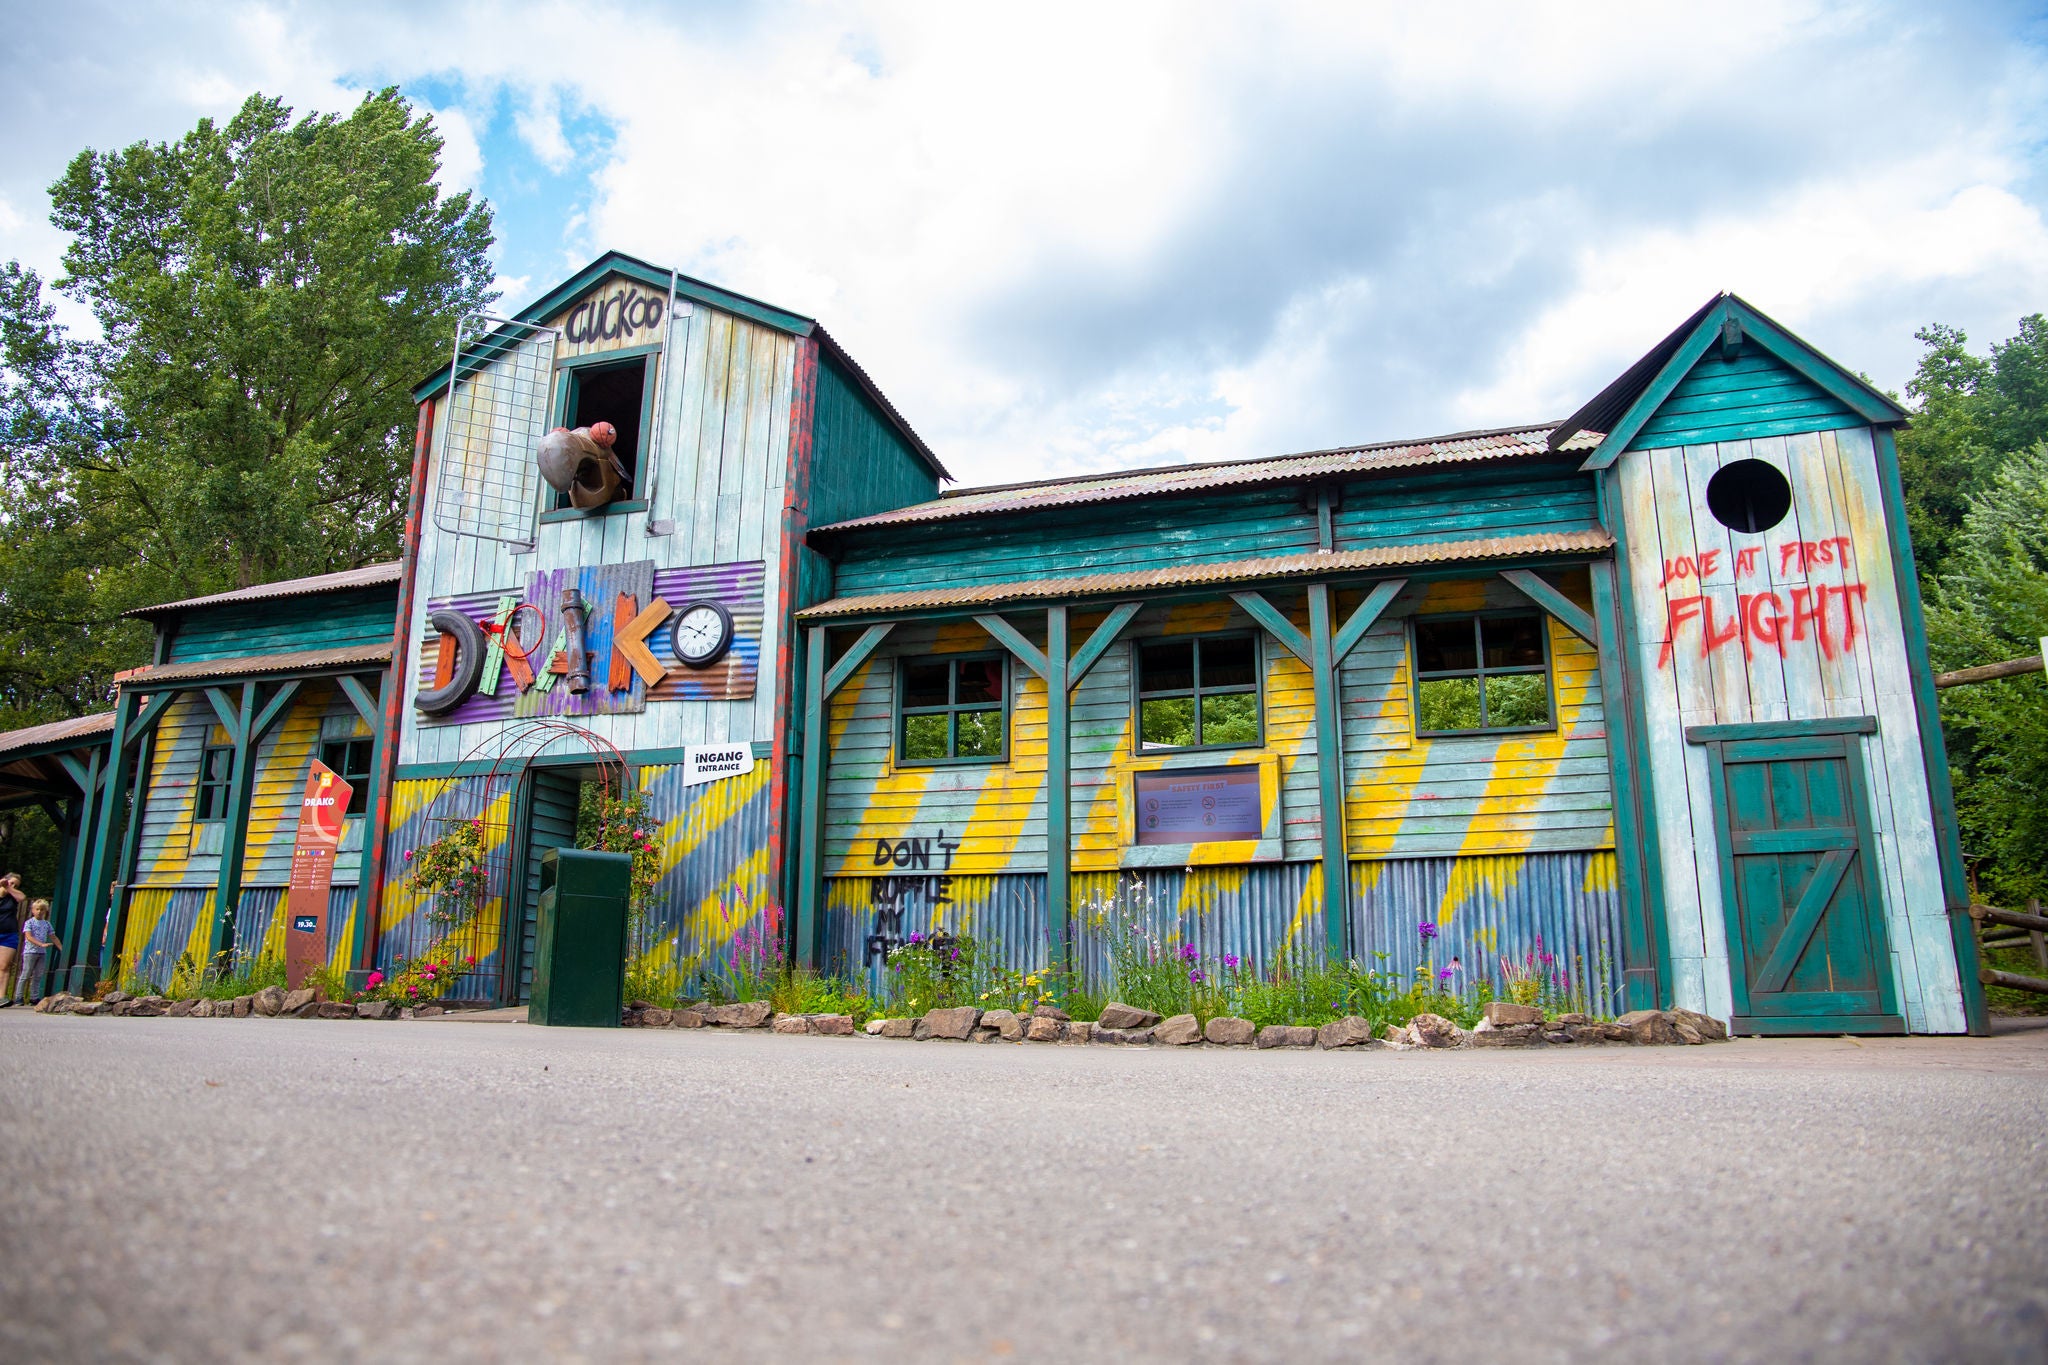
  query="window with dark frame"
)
[
  {"x": 1199, "y": 692},
  {"x": 1481, "y": 673},
  {"x": 952, "y": 709},
  {"x": 216, "y": 772},
  {"x": 351, "y": 759},
  {"x": 614, "y": 393}
]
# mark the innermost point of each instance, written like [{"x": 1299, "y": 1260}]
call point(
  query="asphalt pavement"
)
[{"x": 204, "y": 1190}]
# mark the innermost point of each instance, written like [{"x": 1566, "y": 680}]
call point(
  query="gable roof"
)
[
  {"x": 1619, "y": 411},
  {"x": 697, "y": 291},
  {"x": 1459, "y": 448}
]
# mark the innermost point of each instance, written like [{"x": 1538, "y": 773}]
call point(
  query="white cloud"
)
[{"x": 1080, "y": 235}]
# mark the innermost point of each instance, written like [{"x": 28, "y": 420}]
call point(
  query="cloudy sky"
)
[{"x": 1070, "y": 237}]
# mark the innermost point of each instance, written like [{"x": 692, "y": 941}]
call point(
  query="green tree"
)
[
  {"x": 1991, "y": 604},
  {"x": 1974, "y": 412},
  {"x": 266, "y": 293}
]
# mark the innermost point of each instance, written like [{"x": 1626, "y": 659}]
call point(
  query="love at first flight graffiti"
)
[
  {"x": 1774, "y": 614},
  {"x": 598, "y": 640}
]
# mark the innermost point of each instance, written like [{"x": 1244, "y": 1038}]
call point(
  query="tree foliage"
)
[
  {"x": 266, "y": 293},
  {"x": 1976, "y": 468}
]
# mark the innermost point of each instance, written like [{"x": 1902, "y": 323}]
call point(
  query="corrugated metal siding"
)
[
  {"x": 716, "y": 888},
  {"x": 1461, "y": 448},
  {"x": 335, "y": 620},
  {"x": 860, "y": 461},
  {"x": 259, "y": 929},
  {"x": 164, "y": 925},
  {"x": 723, "y": 457},
  {"x": 1264, "y": 913},
  {"x": 420, "y": 810},
  {"x": 1486, "y": 909}
]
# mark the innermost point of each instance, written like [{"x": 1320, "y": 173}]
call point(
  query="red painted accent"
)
[
  {"x": 796, "y": 518},
  {"x": 444, "y": 660},
  {"x": 394, "y": 685},
  {"x": 620, "y": 676}
]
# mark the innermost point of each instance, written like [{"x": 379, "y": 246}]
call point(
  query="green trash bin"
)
[{"x": 579, "y": 950}]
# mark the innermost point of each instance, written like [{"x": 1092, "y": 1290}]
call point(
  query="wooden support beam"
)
[
  {"x": 360, "y": 698},
  {"x": 77, "y": 771},
  {"x": 102, "y": 916},
  {"x": 72, "y": 920},
  {"x": 1012, "y": 639},
  {"x": 150, "y": 713},
  {"x": 1100, "y": 639},
  {"x": 2012, "y": 981},
  {"x": 1330, "y": 775},
  {"x": 1365, "y": 618},
  {"x": 229, "y": 709},
  {"x": 227, "y": 887},
  {"x": 1059, "y": 786},
  {"x": 1570, "y": 614},
  {"x": 820, "y": 683},
  {"x": 2016, "y": 918},
  {"x": 1277, "y": 625},
  {"x": 274, "y": 708}
]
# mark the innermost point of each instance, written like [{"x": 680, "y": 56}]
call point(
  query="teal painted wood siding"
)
[
  {"x": 1753, "y": 395},
  {"x": 1159, "y": 532},
  {"x": 328, "y": 621},
  {"x": 860, "y": 463}
]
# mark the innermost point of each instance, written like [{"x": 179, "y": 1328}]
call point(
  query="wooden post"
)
[
  {"x": 1330, "y": 776},
  {"x": 97, "y": 906},
  {"x": 371, "y": 709},
  {"x": 239, "y": 717},
  {"x": 820, "y": 683},
  {"x": 83, "y": 815},
  {"x": 1059, "y": 762},
  {"x": 1634, "y": 859}
]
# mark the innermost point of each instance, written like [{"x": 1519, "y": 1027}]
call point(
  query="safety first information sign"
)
[
  {"x": 321, "y": 815},
  {"x": 710, "y": 762}
]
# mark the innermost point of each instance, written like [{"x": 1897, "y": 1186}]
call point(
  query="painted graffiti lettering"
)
[
  {"x": 1802, "y": 555},
  {"x": 1745, "y": 560},
  {"x": 914, "y": 853},
  {"x": 1690, "y": 566},
  {"x": 1822, "y": 612},
  {"x": 891, "y": 897},
  {"x": 613, "y": 316}
]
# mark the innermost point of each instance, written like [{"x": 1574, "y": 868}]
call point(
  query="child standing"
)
[{"x": 39, "y": 942}]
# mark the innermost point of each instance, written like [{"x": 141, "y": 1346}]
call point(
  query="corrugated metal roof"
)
[
  {"x": 300, "y": 661},
  {"x": 1228, "y": 571},
  {"x": 1504, "y": 443},
  {"x": 369, "y": 576},
  {"x": 83, "y": 729}
]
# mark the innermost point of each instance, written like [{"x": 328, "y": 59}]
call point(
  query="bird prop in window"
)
[{"x": 581, "y": 463}]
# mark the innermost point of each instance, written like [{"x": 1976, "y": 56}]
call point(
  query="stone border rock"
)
[{"x": 1505, "y": 1025}]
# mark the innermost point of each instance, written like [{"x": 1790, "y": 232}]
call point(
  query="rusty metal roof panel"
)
[
  {"x": 1463, "y": 447},
  {"x": 368, "y": 576},
  {"x": 84, "y": 730},
  {"x": 1229, "y": 571},
  {"x": 153, "y": 676}
]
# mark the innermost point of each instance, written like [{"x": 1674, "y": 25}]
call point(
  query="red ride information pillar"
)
[{"x": 321, "y": 814}]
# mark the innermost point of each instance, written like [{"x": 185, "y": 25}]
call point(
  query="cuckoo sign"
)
[{"x": 321, "y": 815}]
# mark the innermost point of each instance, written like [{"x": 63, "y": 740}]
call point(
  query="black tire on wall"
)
[{"x": 469, "y": 664}]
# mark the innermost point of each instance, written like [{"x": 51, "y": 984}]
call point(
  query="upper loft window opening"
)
[
  {"x": 1749, "y": 496},
  {"x": 614, "y": 393}
]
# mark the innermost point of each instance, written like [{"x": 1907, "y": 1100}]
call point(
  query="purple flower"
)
[
  {"x": 1230, "y": 961},
  {"x": 1444, "y": 975},
  {"x": 1188, "y": 952},
  {"x": 1195, "y": 977},
  {"x": 1426, "y": 929},
  {"x": 916, "y": 939}
]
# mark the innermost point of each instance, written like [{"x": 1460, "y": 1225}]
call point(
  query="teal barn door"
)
[
  {"x": 551, "y": 824},
  {"x": 1807, "y": 951}
]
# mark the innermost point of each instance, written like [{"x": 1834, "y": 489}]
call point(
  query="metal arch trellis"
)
[
  {"x": 498, "y": 395},
  {"x": 491, "y": 796}
]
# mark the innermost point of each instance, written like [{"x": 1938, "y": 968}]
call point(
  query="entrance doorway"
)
[{"x": 1807, "y": 950}]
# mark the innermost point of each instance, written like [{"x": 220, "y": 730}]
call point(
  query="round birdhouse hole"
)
[{"x": 1749, "y": 496}]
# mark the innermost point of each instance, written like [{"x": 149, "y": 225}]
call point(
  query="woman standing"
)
[{"x": 11, "y": 902}]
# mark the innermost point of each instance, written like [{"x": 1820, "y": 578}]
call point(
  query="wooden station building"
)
[{"x": 1644, "y": 692}]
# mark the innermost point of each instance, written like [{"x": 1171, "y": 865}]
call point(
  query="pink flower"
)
[
  {"x": 469, "y": 962},
  {"x": 408, "y": 855},
  {"x": 376, "y": 980}
]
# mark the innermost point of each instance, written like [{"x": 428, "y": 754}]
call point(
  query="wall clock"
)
[{"x": 703, "y": 633}]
